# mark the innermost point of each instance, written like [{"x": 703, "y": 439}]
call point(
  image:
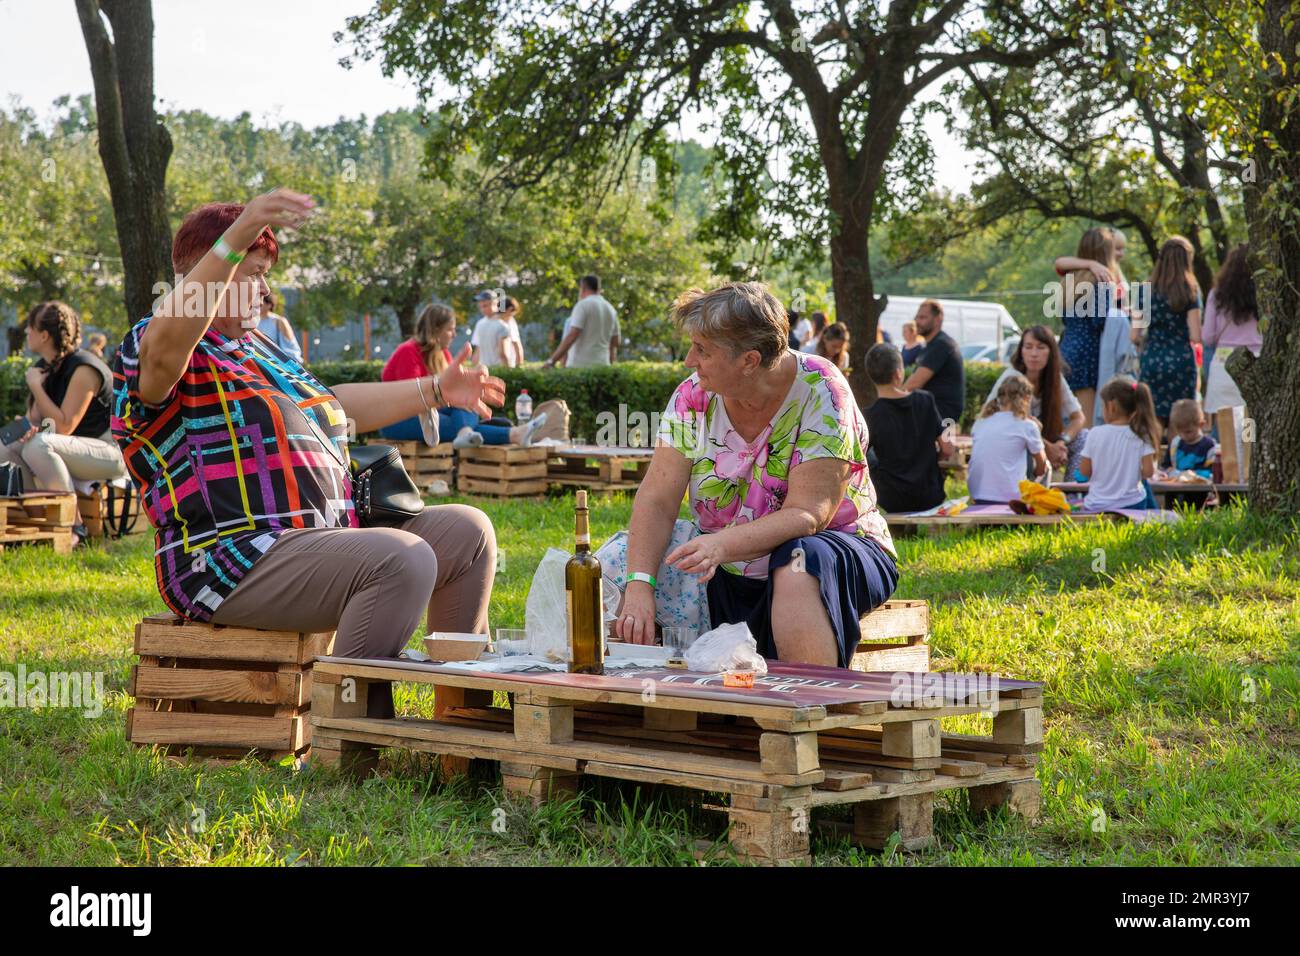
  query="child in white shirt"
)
[
  {"x": 1118, "y": 455},
  {"x": 1003, "y": 436}
]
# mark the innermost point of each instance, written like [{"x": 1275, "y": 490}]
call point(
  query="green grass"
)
[{"x": 1169, "y": 653}]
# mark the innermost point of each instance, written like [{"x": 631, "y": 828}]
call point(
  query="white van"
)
[{"x": 985, "y": 331}]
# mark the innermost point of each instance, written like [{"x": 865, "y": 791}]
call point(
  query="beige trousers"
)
[
  {"x": 371, "y": 585},
  {"x": 49, "y": 461}
]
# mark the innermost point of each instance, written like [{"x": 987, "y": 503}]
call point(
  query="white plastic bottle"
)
[{"x": 523, "y": 407}]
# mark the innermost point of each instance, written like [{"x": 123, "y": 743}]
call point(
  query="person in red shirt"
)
[{"x": 427, "y": 353}]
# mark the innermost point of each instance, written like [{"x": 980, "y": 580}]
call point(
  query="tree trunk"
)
[
  {"x": 134, "y": 145},
  {"x": 406, "y": 319},
  {"x": 855, "y": 302},
  {"x": 1271, "y": 384}
]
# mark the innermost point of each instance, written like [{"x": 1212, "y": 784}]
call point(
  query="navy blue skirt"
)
[{"x": 856, "y": 576}]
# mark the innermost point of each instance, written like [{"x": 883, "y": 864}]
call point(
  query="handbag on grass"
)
[{"x": 382, "y": 492}]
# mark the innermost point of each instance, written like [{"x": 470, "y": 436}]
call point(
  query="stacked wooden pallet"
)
[
  {"x": 875, "y": 742},
  {"x": 598, "y": 467},
  {"x": 425, "y": 464},
  {"x": 506, "y": 471},
  {"x": 222, "y": 692},
  {"x": 894, "y": 637},
  {"x": 111, "y": 511},
  {"x": 39, "y": 517}
]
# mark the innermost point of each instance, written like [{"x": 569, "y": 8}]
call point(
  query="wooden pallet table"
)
[
  {"x": 503, "y": 471},
  {"x": 39, "y": 517},
  {"x": 599, "y": 467},
  {"x": 909, "y": 523},
  {"x": 222, "y": 692},
  {"x": 802, "y": 737},
  {"x": 1170, "y": 493}
]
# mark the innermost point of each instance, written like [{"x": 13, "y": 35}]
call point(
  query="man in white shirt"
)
[
  {"x": 593, "y": 334},
  {"x": 486, "y": 303},
  {"x": 495, "y": 349}
]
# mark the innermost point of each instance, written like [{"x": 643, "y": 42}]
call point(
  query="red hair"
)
[{"x": 204, "y": 226}]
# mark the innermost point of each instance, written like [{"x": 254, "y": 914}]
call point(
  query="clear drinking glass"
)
[
  {"x": 512, "y": 642},
  {"x": 677, "y": 640}
]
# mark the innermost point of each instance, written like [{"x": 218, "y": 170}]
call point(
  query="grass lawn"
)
[{"x": 1170, "y": 657}]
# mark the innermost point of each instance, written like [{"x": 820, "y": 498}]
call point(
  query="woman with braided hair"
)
[{"x": 72, "y": 389}]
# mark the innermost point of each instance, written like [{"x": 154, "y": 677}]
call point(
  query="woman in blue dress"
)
[
  {"x": 1088, "y": 298},
  {"x": 1170, "y": 304}
]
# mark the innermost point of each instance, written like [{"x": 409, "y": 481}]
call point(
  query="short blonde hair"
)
[
  {"x": 1185, "y": 412},
  {"x": 744, "y": 316}
]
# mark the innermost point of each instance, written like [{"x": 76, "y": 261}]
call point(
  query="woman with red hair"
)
[{"x": 241, "y": 458}]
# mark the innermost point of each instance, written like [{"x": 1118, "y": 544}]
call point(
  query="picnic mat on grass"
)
[
  {"x": 784, "y": 685},
  {"x": 1136, "y": 515}
]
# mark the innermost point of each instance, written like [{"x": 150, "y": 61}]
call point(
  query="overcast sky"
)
[{"x": 275, "y": 59}]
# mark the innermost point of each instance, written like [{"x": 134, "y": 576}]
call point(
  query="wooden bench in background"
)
[
  {"x": 503, "y": 471},
  {"x": 425, "y": 464},
  {"x": 599, "y": 467},
  {"x": 112, "y": 511},
  {"x": 39, "y": 517},
  {"x": 222, "y": 692}
]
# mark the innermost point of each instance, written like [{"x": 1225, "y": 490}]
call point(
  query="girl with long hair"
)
[
  {"x": 69, "y": 406},
  {"x": 1002, "y": 436},
  {"x": 833, "y": 344},
  {"x": 1088, "y": 300},
  {"x": 1171, "y": 309},
  {"x": 1038, "y": 358},
  {"x": 1231, "y": 321},
  {"x": 427, "y": 352},
  {"x": 1120, "y": 454}
]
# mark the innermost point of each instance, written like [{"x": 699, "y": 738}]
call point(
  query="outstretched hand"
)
[{"x": 471, "y": 388}]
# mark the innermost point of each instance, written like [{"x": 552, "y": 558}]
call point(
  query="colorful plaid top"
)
[{"x": 248, "y": 444}]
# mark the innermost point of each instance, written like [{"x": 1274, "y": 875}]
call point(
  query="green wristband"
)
[
  {"x": 641, "y": 576},
  {"x": 223, "y": 249}
]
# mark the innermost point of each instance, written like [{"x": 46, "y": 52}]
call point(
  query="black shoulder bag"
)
[{"x": 382, "y": 492}]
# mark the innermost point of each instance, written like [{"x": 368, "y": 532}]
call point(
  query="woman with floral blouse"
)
[{"x": 772, "y": 448}]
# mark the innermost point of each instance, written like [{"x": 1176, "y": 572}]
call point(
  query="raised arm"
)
[
  {"x": 166, "y": 347},
  {"x": 81, "y": 391}
]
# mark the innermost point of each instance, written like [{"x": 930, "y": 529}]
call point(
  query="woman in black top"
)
[
  {"x": 72, "y": 389},
  {"x": 907, "y": 437}
]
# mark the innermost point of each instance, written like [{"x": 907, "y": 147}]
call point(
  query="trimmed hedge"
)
[
  {"x": 980, "y": 377},
  {"x": 640, "y": 386},
  {"x": 13, "y": 386}
]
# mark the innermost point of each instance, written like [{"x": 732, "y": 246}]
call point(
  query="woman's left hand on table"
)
[{"x": 701, "y": 555}]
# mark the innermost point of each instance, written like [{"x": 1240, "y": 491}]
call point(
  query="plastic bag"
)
[
  {"x": 546, "y": 611},
  {"x": 727, "y": 647}
]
